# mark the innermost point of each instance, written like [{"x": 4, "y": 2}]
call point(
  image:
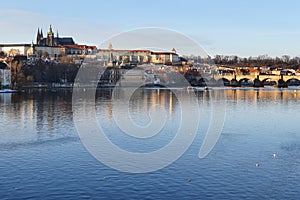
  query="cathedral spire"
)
[
  {"x": 50, "y": 37},
  {"x": 38, "y": 37},
  {"x": 50, "y": 29}
]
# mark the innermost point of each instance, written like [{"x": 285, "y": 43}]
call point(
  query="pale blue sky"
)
[{"x": 229, "y": 27}]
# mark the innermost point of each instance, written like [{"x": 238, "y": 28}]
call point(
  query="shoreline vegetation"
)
[{"x": 61, "y": 74}]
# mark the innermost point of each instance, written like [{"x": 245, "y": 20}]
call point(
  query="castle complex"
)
[
  {"x": 52, "y": 46},
  {"x": 51, "y": 40}
]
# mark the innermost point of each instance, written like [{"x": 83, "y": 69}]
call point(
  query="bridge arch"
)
[
  {"x": 194, "y": 82},
  {"x": 246, "y": 82},
  {"x": 203, "y": 82},
  {"x": 269, "y": 82},
  {"x": 293, "y": 82},
  {"x": 223, "y": 82}
]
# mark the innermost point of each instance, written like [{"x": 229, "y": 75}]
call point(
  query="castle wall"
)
[{"x": 53, "y": 52}]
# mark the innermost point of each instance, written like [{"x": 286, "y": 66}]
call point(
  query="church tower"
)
[
  {"x": 42, "y": 37},
  {"x": 57, "y": 39},
  {"x": 50, "y": 37},
  {"x": 39, "y": 37}
]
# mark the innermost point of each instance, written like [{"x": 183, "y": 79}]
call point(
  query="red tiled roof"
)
[
  {"x": 162, "y": 52},
  {"x": 135, "y": 50},
  {"x": 139, "y": 50},
  {"x": 123, "y": 50},
  {"x": 77, "y": 46}
]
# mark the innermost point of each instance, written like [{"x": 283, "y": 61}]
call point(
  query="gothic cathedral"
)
[{"x": 51, "y": 40}]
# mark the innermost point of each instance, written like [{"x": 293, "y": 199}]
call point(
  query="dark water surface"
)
[{"x": 42, "y": 157}]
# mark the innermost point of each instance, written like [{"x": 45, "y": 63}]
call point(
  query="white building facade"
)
[{"x": 5, "y": 74}]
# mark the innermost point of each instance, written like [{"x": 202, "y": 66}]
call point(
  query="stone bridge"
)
[{"x": 248, "y": 80}]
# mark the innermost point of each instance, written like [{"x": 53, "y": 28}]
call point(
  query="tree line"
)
[{"x": 42, "y": 72}]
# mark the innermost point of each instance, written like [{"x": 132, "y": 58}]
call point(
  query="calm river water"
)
[{"x": 256, "y": 157}]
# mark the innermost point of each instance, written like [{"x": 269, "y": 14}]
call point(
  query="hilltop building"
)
[
  {"x": 165, "y": 57},
  {"x": 121, "y": 57},
  {"x": 51, "y": 46},
  {"x": 51, "y": 40}
]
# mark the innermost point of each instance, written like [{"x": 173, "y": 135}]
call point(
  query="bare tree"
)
[
  {"x": 14, "y": 52},
  {"x": 45, "y": 55},
  {"x": 285, "y": 58},
  {"x": 17, "y": 76},
  {"x": 40, "y": 53}
]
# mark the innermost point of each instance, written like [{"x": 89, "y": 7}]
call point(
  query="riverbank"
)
[{"x": 8, "y": 91}]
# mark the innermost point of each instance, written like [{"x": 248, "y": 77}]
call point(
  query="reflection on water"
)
[
  {"x": 140, "y": 102},
  {"x": 42, "y": 157},
  {"x": 260, "y": 95},
  {"x": 34, "y": 116}
]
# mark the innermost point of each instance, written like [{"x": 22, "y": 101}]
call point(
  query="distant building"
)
[
  {"x": 165, "y": 57},
  {"x": 5, "y": 74},
  {"x": 50, "y": 46},
  {"x": 124, "y": 57},
  {"x": 51, "y": 40},
  {"x": 31, "y": 50},
  {"x": 118, "y": 57},
  {"x": 14, "y": 49},
  {"x": 76, "y": 49}
]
